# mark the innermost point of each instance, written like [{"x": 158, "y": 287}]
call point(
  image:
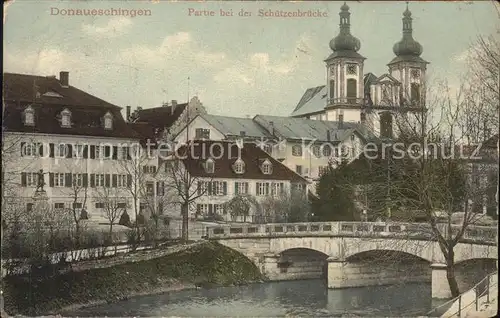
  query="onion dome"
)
[
  {"x": 345, "y": 41},
  {"x": 407, "y": 46}
]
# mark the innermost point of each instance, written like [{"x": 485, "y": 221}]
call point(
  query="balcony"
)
[{"x": 345, "y": 101}]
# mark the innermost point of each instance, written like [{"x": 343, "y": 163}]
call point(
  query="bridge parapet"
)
[{"x": 485, "y": 234}]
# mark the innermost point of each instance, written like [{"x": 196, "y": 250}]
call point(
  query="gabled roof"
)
[
  {"x": 196, "y": 153},
  {"x": 87, "y": 111},
  {"x": 233, "y": 126},
  {"x": 313, "y": 101},
  {"x": 160, "y": 117},
  {"x": 22, "y": 88},
  {"x": 307, "y": 129},
  {"x": 387, "y": 76}
]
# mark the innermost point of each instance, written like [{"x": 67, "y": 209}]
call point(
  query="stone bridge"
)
[{"x": 355, "y": 254}]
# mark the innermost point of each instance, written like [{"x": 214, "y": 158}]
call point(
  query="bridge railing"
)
[
  {"x": 355, "y": 229},
  {"x": 482, "y": 293}
]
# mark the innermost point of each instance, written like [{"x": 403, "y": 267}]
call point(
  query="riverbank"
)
[{"x": 205, "y": 265}]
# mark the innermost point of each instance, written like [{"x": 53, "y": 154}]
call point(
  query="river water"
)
[{"x": 305, "y": 298}]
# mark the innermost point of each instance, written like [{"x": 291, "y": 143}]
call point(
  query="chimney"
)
[
  {"x": 64, "y": 78},
  {"x": 129, "y": 108},
  {"x": 174, "y": 104},
  {"x": 271, "y": 127}
]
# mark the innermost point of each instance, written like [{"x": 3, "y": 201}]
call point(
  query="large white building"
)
[
  {"x": 350, "y": 94},
  {"x": 82, "y": 144}
]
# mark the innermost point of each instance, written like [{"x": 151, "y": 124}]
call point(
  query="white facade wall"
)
[{"x": 14, "y": 165}]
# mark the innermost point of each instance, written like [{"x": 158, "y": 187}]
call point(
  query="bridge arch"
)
[
  {"x": 303, "y": 263},
  {"x": 386, "y": 254}
]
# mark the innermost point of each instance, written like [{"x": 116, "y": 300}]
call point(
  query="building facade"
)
[
  {"x": 380, "y": 103},
  {"x": 205, "y": 175},
  {"x": 75, "y": 141}
]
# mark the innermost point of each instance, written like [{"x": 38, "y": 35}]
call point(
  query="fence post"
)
[
  {"x": 488, "y": 290},
  {"x": 460, "y": 306}
]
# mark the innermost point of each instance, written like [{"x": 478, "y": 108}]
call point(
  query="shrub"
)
[{"x": 124, "y": 219}]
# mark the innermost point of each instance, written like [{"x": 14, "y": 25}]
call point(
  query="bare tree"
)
[
  {"x": 182, "y": 188},
  {"x": 114, "y": 204},
  {"x": 241, "y": 205}
]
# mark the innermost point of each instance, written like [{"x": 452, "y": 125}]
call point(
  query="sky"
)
[{"x": 237, "y": 65}]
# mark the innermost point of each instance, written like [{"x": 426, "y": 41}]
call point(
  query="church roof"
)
[
  {"x": 308, "y": 129},
  {"x": 313, "y": 101}
]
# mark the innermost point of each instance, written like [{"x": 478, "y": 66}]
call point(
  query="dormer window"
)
[
  {"x": 239, "y": 166},
  {"x": 108, "y": 121},
  {"x": 29, "y": 116},
  {"x": 267, "y": 167},
  {"x": 209, "y": 166},
  {"x": 66, "y": 118}
]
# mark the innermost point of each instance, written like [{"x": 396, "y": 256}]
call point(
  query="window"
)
[
  {"x": 66, "y": 118},
  {"x": 30, "y": 149},
  {"x": 99, "y": 180},
  {"x": 240, "y": 188},
  {"x": 202, "y": 133},
  {"x": 262, "y": 188},
  {"x": 332, "y": 89},
  {"x": 341, "y": 118},
  {"x": 209, "y": 166},
  {"x": 99, "y": 205},
  {"x": 78, "y": 151},
  {"x": 239, "y": 166},
  {"x": 149, "y": 169},
  {"x": 29, "y": 207},
  {"x": 97, "y": 152},
  {"x": 352, "y": 90},
  {"x": 77, "y": 205},
  {"x": 125, "y": 151},
  {"x": 29, "y": 116},
  {"x": 108, "y": 121},
  {"x": 121, "y": 181},
  {"x": 267, "y": 168},
  {"x": 298, "y": 169},
  {"x": 31, "y": 179},
  {"x": 298, "y": 187},
  {"x": 352, "y": 69},
  {"x": 415, "y": 93},
  {"x": 219, "y": 187},
  {"x": 218, "y": 209},
  {"x": 122, "y": 205},
  {"x": 202, "y": 209},
  {"x": 297, "y": 150},
  {"x": 150, "y": 186},
  {"x": 58, "y": 179},
  {"x": 353, "y": 137},
  {"x": 59, "y": 206},
  {"x": 78, "y": 180},
  {"x": 327, "y": 150},
  {"x": 316, "y": 151},
  {"x": 277, "y": 188},
  {"x": 362, "y": 117}
]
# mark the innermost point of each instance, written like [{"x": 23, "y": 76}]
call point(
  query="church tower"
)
[
  {"x": 344, "y": 74},
  {"x": 408, "y": 67}
]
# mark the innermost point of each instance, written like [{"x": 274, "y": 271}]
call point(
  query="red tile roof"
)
[
  {"x": 87, "y": 111},
  {"x": 160, "y": 117},
  {"x": 198, "y": 151}
]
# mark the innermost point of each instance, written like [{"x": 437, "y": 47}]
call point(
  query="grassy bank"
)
[{"x": 206, "y": 265}]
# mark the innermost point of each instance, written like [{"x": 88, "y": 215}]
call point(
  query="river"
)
[{"x": 306, "y": 298}]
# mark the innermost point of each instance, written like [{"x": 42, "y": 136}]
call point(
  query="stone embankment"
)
[{"x": 205, "y": 264}]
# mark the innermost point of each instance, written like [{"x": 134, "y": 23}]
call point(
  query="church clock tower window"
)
[
  {"x": 332, "y": 89},
  {"x": 415, "y": 93},
  {"x": 351, "y": 90}
]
